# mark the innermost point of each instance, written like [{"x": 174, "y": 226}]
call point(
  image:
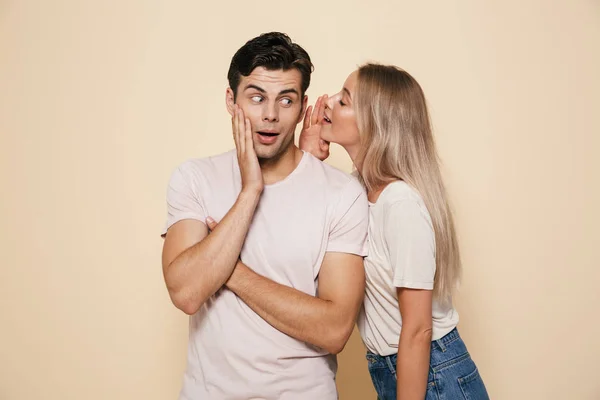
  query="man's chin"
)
[
  {"x": 266, "y": 152},
  {"x": 272, "y": 152}
]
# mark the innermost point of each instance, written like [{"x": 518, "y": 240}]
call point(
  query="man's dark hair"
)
[{"x": 273, "y": 51}]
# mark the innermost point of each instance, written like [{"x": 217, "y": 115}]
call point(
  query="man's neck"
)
[{"x": 277, "y": 169}]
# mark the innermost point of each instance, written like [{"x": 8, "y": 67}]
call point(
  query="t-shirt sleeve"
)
[
  {"x": 183, "y": 200},
  {"x": 348, "y": 233},
  {"x": 410, "y": 240}
]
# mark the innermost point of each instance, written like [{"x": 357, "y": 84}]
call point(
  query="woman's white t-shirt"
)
[{"x": 401, "y": 254}]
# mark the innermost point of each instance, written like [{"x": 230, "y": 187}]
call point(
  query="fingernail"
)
[{"x": 210, "y": 220}]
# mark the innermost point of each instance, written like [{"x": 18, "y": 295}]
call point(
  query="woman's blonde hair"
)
[{"x": 397, "y": 143}]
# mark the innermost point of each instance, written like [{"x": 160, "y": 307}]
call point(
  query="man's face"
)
[{"x": 273, "y": 103}]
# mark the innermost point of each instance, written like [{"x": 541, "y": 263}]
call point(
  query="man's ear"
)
[
  {"x": 229, "y": 101},
  {"x": 304, "y": 104}
]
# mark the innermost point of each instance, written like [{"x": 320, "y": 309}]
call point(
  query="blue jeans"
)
[{"x": 452, "y": 373}]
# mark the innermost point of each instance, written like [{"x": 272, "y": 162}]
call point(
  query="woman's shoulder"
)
[{"x": 399, "y": 191}]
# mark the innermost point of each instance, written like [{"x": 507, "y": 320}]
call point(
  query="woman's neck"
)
[{"x": 354, "y": 153}]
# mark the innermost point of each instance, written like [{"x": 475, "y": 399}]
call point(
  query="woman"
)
[{"x": 408, "y": 323}]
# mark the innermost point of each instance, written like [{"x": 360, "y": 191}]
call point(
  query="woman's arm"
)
[{"x": 414, "y": 346}]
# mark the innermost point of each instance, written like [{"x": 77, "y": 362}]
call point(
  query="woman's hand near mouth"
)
[{"x": 310, "y": 137}]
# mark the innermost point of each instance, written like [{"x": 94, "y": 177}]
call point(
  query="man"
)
[{"x": 274, "y": 288}]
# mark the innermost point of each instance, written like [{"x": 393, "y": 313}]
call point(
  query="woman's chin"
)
[
  {"x": 329, "y": 138},
  {"x": 326, "y": 135}
]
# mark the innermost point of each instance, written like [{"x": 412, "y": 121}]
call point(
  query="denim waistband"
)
[
  {"x": 439, "y": 344},
  {"x": 445, "y": 340}
]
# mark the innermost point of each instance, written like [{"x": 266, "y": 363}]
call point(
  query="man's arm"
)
[
  {"x": 195, "y": 265},
  {"x": 325, "y": 321}
]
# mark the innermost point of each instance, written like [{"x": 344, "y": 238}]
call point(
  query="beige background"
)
[{"x": 99, "y": 101}]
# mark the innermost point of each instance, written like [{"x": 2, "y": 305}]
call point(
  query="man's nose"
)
[{"x": 271, "y": 113}]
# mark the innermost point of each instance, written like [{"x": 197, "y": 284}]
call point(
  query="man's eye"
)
[
  {"x": 256, "y": 99},
  {"x": 286, "y": 102}
]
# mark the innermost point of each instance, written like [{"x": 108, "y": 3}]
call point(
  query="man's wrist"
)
[
  {"x": 236, "y": 276},
  {"x": 251, "y": 192}
]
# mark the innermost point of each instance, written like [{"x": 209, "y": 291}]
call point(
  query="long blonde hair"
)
[{"x": 397, "y": 144}]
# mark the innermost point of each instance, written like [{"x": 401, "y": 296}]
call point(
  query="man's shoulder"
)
[
  {"x": 341, "y": 189},
  {"x": 335, "y": 178},
  {"x": 206, "y": 165}
]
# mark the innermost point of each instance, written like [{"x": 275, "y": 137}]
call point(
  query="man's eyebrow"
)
[
  {"x": 286, "y": 91},
  {"x": 251, "y": 86},
  {"x": 263, "y": 91}
]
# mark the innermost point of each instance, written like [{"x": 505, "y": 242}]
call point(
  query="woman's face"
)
[{"x": 339, "y": 124}]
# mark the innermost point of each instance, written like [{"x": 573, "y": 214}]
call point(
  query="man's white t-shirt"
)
[
  {"x": 401, "y": 255},
  {"x": 232, "y": 352}
]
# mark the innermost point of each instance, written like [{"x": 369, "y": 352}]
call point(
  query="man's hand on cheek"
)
[{"x": 252, "y": 179}]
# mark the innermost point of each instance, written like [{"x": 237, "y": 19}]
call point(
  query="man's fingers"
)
[
  {"x": 241, "y": 131},
  {"x": 248, "y": 136},
  {"x": 211, "y": 223},
  {"x": 235, "y": 128}
]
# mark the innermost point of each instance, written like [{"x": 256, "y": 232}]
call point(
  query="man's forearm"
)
[
  {"x": 412, "y": 366},
  {"x": 304, "y": 317},
  {"x": 201, "y": 270}
]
